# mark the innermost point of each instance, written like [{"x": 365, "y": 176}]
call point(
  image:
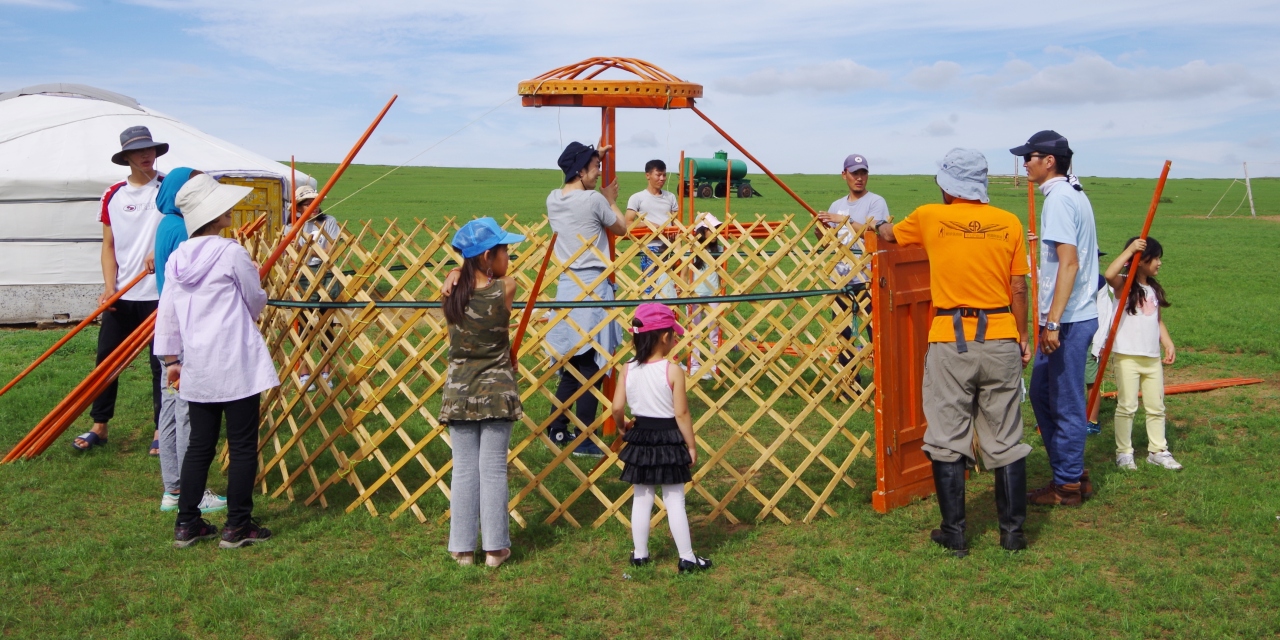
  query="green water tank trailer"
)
[{"x": 709, "y": 176}]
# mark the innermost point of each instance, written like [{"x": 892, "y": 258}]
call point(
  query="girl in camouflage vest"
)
[{"x": 481, "y": 399}]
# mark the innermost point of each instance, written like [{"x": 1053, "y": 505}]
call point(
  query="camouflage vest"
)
[{"x": 480, "y": 383}]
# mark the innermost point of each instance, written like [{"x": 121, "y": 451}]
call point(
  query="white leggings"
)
[{"x": 677, "y": 519}]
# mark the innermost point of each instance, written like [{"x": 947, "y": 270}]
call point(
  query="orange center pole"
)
[
  {"x": 71, "y": 334},
  {"x": 753, "y": 159},
  {"x": 1033, "y": 252},
  {"x": 528, "y": 305},
  {"x": 608, "y": 134},
  {"x": 296, "y": 227},
  {"x": 1124, "y": 292}
]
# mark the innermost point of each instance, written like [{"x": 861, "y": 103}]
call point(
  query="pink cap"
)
[{"x": 656, "y": 317}]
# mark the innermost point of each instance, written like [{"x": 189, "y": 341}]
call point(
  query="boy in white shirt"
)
[
  {"x": 129, "y": 219},
  {"x": 657, "y": 206}
]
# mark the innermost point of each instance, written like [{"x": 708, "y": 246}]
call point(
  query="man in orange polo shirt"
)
[{"x": 977, "y": 344}]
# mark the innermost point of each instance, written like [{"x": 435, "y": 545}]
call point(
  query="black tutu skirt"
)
[{"x": 655, "y": 453}]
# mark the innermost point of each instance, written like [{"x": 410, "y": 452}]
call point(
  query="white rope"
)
[
  {"x": 1224, "y": 195},
  {"x": 415, "y": 157}
]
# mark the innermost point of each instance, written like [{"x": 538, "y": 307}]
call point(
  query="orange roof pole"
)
[
  {"x": 71, "y": 334},
  {"x": 1124, "y": 292},
  {"x": 1034, "y": 255},
  {"x": 528, "y": 305},
  {"x": 753, "y": 159}
]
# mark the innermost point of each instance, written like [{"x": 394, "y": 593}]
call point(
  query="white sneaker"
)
[
  {"x": 708, "y": 376},
  {"x": 1164, "y": 459},
  {"x": 212, "y": 502},
  {"x": 169, "y": 502},
  {"x": 325, "y": 377},
  {"x": 1125, "y": 461},
  {"x": 303, "y": 380}
]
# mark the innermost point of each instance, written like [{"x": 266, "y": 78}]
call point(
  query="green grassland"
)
[{"x": 84, "y": 552}]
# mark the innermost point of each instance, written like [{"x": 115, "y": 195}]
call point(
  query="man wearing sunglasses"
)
[{"x": 1067, "y": 316}]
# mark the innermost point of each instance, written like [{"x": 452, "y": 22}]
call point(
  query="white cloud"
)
[
  {"x": 1090, "y": 78},
  {"x": 393, "y": 140},
  {"x": 645, "y": 139},
  {"x": 837, "y": 76},
  {"x": 935, "y": 76},
  {"x": 939, "y": 128}
]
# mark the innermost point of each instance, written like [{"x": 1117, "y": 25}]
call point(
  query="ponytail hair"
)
[
  {"x": 713, "y": 246},
  {"x": 1136, "y": 294},
  {"x": 646, "y": 342}
]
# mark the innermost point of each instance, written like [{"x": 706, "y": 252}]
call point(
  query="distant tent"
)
[{"x": 56, "y": 142}]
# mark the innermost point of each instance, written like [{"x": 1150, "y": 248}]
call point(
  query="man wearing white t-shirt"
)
[
  {"x": 655, "y": 207},
  {"x": 848, "y": 216},
  {"x": 129, "y": 219}
]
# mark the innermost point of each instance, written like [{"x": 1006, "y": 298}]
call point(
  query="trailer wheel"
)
[
  {"x": 706, "y": 191},
  {"x": 745, "y": 191}
]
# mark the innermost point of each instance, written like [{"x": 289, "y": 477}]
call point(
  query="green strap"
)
[{"x": 849, "y": 290}]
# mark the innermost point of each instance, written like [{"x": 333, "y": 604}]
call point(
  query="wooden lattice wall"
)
[{"x": 778, "y": 427}]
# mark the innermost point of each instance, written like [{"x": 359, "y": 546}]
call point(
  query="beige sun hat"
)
[
  {"x": 304, "y": 193},
  {"x": 202, "y": 199}
]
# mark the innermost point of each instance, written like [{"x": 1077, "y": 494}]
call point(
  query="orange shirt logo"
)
[{"x": 973, "y": 231}]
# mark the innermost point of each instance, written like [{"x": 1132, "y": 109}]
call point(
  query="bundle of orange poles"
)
[
  {"x": 53, "y": 425},
  {"x": 1204, "y": 385}
]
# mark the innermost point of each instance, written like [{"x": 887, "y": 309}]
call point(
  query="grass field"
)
[{"x": 84, "y": 552}]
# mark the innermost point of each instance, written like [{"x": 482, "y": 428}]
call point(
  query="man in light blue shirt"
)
[{"x": 1067, "y": 316}]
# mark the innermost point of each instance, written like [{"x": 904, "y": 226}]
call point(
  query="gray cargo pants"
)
[
  {"x": 974, "y": 394},
  {"x": 175, "y": 433}
]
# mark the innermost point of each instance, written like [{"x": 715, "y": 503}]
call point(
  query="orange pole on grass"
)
[
  {"x": 1194, "y": 387},
  {"x": 528, "y": 305},
  {"x": 753, "y": 159},
  {"x": 1033, "y": 253},
  {"x": 71, "y": 334},
  {"x": 1124, "y": 292}
]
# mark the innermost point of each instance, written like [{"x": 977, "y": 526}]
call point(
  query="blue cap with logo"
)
[
  {"x": 963, "y": 174},
  {"x": 481, "y": 235},
  {"x": 856, "y": 161}
]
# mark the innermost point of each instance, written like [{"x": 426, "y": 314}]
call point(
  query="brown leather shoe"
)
[
  {"x": 1065, "y": 495},
  {"x": 1086, "y": 486}
]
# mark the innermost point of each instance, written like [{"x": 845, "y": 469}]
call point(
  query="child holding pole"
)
[
  {"x": 660, "y": 447},
  {"x": 1138, "y": 342},
  {"x": 481, "y": 400}
]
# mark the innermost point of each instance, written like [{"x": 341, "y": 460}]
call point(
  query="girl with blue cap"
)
[{"x": 481, "y": 399}]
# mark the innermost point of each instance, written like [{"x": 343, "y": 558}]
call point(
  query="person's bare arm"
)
[
  {"x": 508, "y": 290},
  {"x": 886, "y": 233},
  {"x": 684, "y": 419},
  {"x": 1068, "y": 267},
  {"x": 1166, "y": 341},
  {"x": 1112, "y": 273},
  {"x": 1018, "y": 286},
  {"x": 110, "y": 268},
  {"x": 620, "y": 403}
]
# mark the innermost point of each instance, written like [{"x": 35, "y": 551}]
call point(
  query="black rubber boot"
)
[
  {"x": 948, "y": 479},
  {"x": 1011, "y": 504}
]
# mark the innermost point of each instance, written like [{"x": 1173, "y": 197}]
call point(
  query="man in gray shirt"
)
[{"x": 580, "y": 215}]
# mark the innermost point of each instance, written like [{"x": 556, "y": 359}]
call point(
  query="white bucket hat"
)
[
  {"x": 706, "y": 219},
  {"x": 202, "y": 199}
]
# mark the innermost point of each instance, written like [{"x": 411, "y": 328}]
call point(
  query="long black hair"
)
[
  {"x": 712, "y": 247},
  {"x": 1137, "y": 295},
  {"x": 646, "y": 342},
  {"x": 455, "y": 305}
]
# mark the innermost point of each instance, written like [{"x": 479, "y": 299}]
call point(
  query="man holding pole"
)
[
  {"x": 580, "y": 215},
  {"x": 129, "y": 220},
  {"x": 977, "y": 345},
  {"x": 1067, "y": 316}
]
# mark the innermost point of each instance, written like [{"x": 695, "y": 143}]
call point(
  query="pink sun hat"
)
[{"x": 652, "y": 316}]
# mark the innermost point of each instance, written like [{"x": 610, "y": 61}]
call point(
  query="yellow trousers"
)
[{"x": 1134, "y": 373}]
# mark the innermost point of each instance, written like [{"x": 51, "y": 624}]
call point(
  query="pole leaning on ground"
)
[
  {"x": 71, "y": 334},
  {"x": 528, "y": 305},
  {"x": 1124, "y": 293},
  {"x": 70, "y": 408},
  {"x": 1033, "y": 254}
]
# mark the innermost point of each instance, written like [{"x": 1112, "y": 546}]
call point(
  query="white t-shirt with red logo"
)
[{"x": 133, "y": 217}]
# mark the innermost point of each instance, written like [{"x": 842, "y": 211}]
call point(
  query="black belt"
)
[{"x": 968, "y": 312}]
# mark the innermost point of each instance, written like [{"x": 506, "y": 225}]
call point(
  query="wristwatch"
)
[
  {"x": 1052, "y": 326},
  {"x": 877, "y": 225}
]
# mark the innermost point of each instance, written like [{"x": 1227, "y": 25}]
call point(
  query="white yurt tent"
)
[{"x": 56, "y": 142}]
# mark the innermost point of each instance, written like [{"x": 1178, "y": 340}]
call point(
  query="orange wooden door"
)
[{"x": 902, "y": 310}]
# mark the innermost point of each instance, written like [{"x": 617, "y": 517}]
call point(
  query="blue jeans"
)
[{"x": 1057, "y": 397}]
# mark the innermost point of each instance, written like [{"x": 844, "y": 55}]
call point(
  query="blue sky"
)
[{"x": 800, "y": 83}]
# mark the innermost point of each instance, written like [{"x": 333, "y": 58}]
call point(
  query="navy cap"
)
[
  {"x": 574, "y": 158},
  {"x": 1047, "y": 141},
  {"x": 481, "y": 235}
]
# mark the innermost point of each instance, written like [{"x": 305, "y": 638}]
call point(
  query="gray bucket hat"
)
[
  {"x": 135, "y": 138},
  {"x": 963, "y": 174}
]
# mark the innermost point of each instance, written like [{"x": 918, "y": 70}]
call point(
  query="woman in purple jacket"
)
[{"x": 207, "y": 313}]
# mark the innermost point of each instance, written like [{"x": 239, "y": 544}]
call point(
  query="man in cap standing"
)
[
  {"x": 848, "y": 215},
  {"x": 580, "y": 215},
  {"x": 1067, "y": 316},
  {"x": 977, "y": 344},
  {"x": 129, "y": 220}
]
